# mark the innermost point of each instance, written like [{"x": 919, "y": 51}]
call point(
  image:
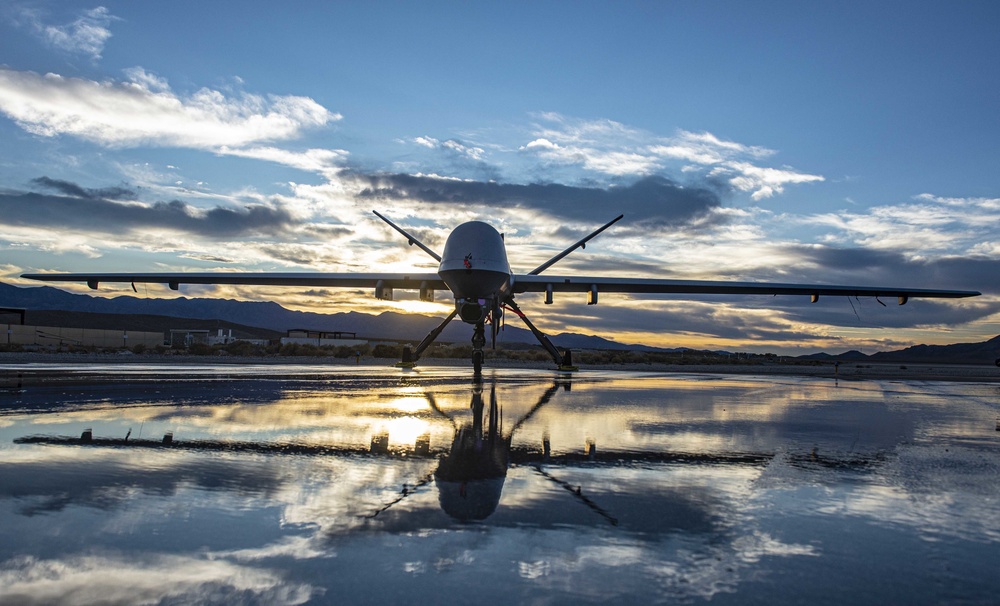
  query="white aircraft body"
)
[{"x": 475, "y": 269}]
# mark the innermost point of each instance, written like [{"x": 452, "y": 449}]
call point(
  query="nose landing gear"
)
[{"x": 478, "y": 343}]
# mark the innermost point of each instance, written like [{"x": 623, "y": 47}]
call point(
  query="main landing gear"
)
[
  {"x": 409, "y": 359},
  {"x": 563, "y": 361}
]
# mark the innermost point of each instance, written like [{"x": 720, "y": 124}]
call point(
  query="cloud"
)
[
  {"x": 761, "y": 181},
  {"x": 79, "y": 208},
  {"x": 72, "y": 189},
  {"x": 817, "y": 263},
  {"x": 611, "y": 148},
  {"x": 708, "y": 141},
  {"x": 760, "y": 323},
  {"x": 454, "y": 155},
  {"x": 609, "y": 162},
  {"x": 653, "y": 199},
  {"x": 327, "y": 162},
  {"x": 86, "y": 35},
  {"x": 602, "y": 146},
  {"x": 930, "y": 224},
  {"x": 867, "y": 267},
  {"x": 722, "y": 320},
  {"x": 452, "y": 145},
  {"x": 144, "y": 111}
]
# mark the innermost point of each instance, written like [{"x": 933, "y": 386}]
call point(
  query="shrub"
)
[
  {"x": 243, "y": 348},
  {"x": 383, "y": 350},
  {"x": 303, "y": 349},
  {"x": 349, "y": 351},
  {"x": 200, "y": 349}
]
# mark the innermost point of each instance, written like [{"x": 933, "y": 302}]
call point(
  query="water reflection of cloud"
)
[
  {"x": 937, "y": 492},
  {"x": 143, "y": 579},
  {"x": 104, "y": 482},
  {"x": 295, "y": 547},
  {"x": 930, "y": 491}
]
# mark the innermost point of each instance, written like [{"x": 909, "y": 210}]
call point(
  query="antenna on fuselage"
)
[
  {"x": 581, "y": 244},
  {"x": 413, "y": 240}
]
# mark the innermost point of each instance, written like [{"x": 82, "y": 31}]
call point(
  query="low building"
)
[
  {"x": 184, "y": 337},
  {"x": 321, "y": 338},
  {"x": 56, "y": 336},
  {"x": 13, "y": 311},
  {"x": 224, "y": 336}
]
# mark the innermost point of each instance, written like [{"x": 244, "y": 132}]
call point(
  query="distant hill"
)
[
  {"x": 959, "y": 353},
  {"x": 269, "y": 316}
]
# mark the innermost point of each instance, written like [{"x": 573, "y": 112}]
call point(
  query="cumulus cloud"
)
[
  {"x": 762, "y": 182},
  {"x": 86, "y": 35},
  {"x": 145, "y": 111}
]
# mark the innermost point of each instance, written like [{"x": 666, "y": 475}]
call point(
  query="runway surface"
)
[{"x": 287, "y": 484}]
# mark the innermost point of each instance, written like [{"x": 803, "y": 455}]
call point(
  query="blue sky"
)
[{"x": 854, "y": 142}]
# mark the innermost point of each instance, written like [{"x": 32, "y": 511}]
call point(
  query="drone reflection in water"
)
[{"x": 310, "y": 485}]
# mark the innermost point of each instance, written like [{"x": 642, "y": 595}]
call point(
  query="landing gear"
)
[
  {"x": 563, "y": 361},
  {"x": 478, "y": 342},
  {"x": 409, "y": 359}
]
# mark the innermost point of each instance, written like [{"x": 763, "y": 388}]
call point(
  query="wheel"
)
[{"x": 477, "y": 362}]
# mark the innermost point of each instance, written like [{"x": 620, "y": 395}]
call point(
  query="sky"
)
[{"x": 833, "y": 143}]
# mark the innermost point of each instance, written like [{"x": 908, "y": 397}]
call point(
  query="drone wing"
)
[
  {"x": 383, "y": 283},
  {"x": 594, "y": 285}
]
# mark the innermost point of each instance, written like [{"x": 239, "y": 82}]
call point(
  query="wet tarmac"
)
[{"x": 164, "y": 484}]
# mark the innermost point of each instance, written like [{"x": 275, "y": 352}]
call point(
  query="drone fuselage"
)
[{"x": 474, "y": 266}]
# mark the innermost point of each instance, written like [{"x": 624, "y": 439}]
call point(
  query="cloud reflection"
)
[
  {"x": 148, "y": 579},
  {"x": 106, "y": 482}
]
